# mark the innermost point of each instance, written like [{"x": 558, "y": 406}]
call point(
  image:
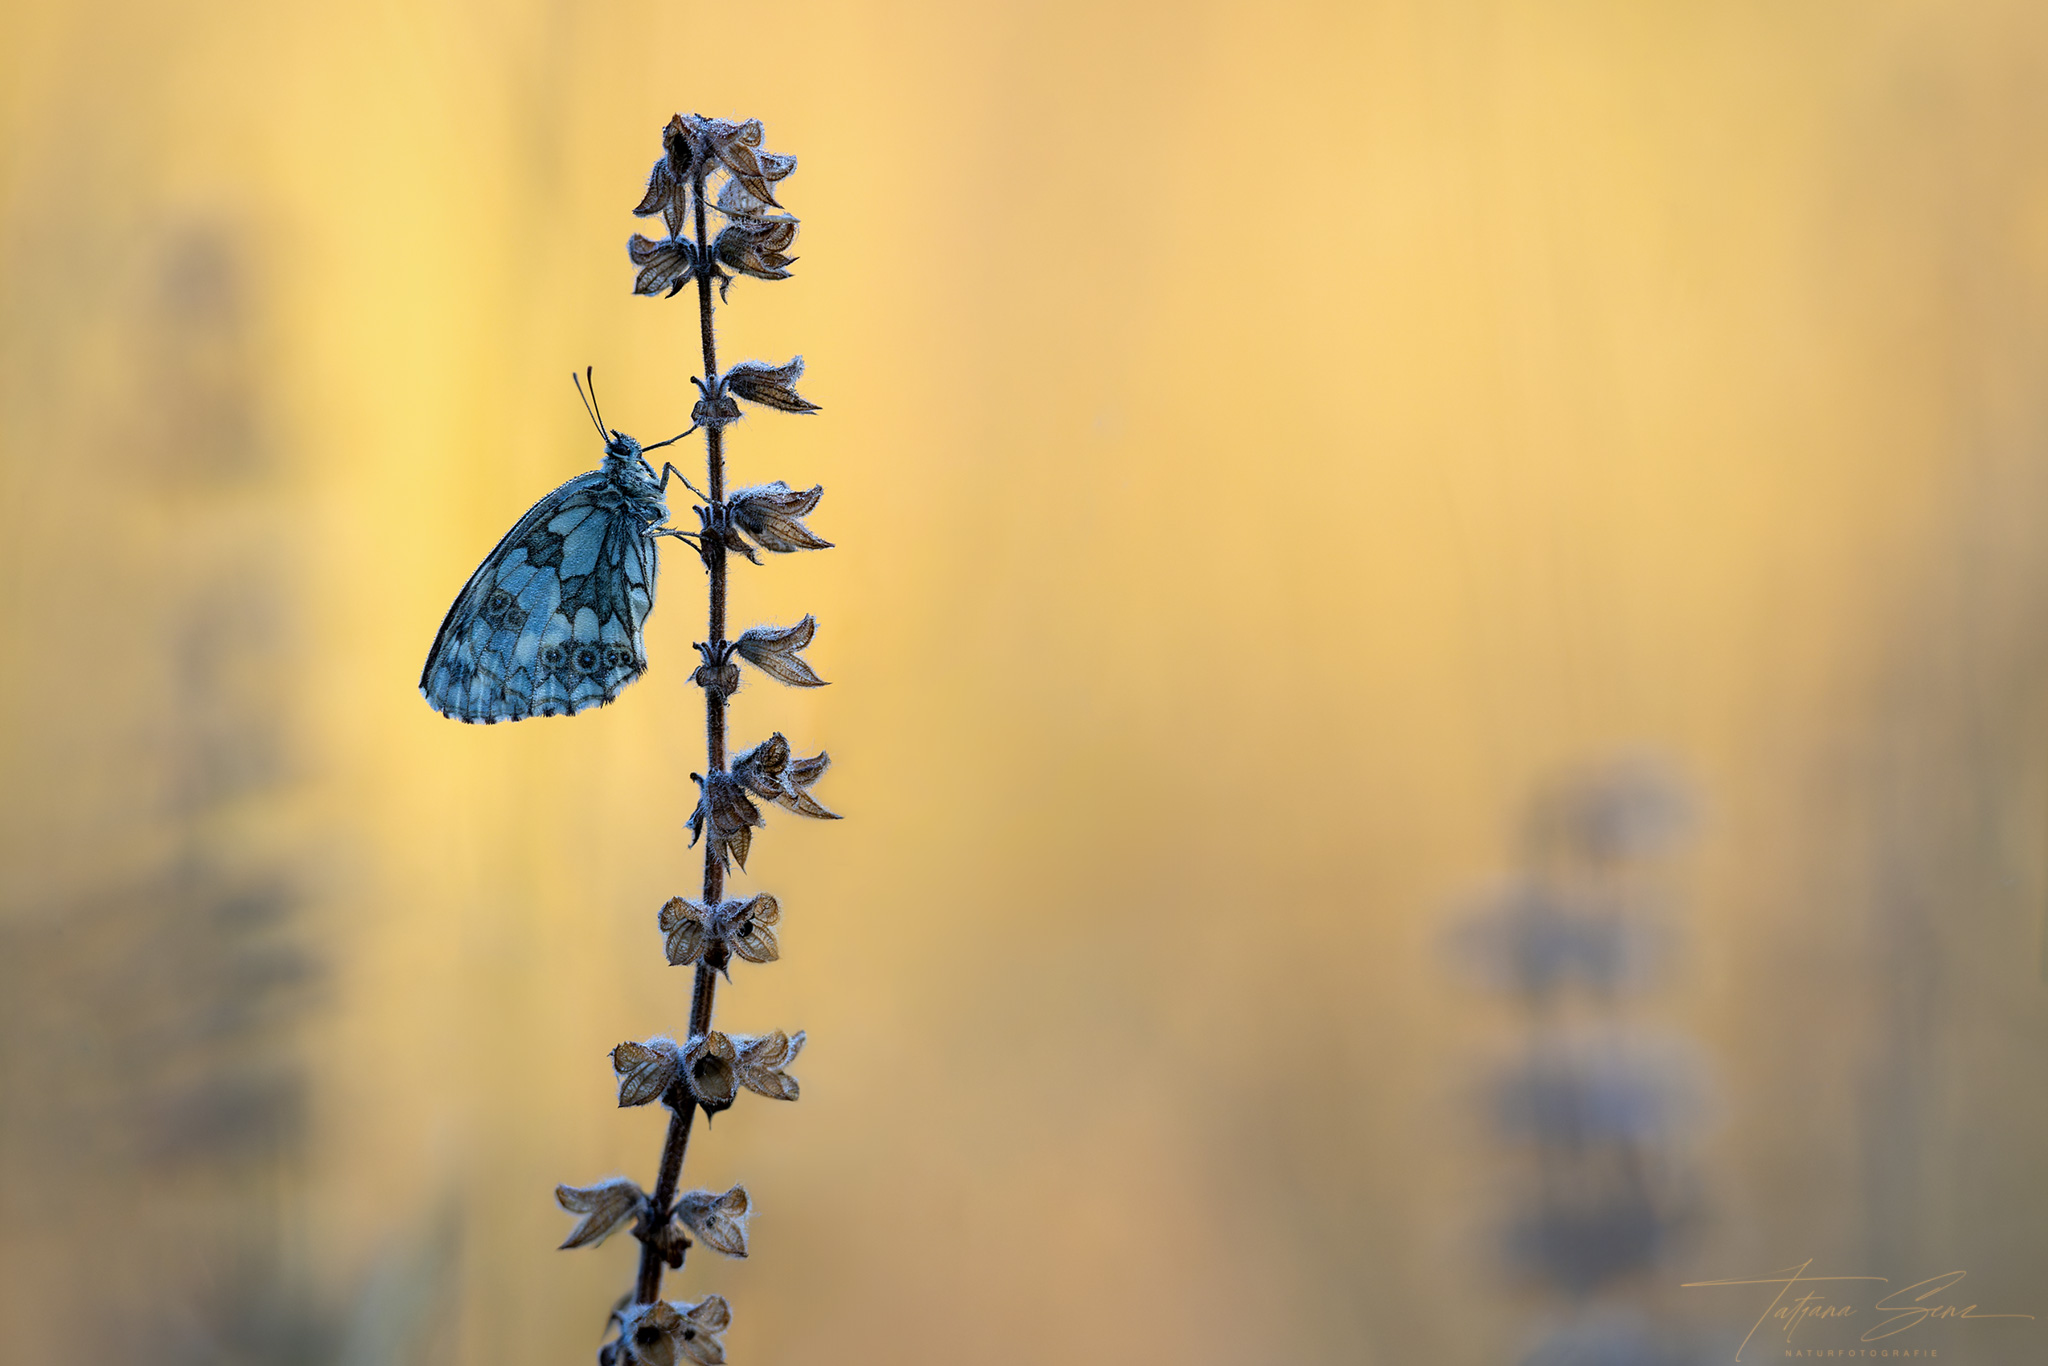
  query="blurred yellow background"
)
[{"x": 1268, "y": 447}]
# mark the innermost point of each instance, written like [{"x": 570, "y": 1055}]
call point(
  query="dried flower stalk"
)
[{"x": 707, "y": 1069}]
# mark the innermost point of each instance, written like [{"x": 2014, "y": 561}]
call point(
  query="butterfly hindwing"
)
[{"x": 551, "y": 621}]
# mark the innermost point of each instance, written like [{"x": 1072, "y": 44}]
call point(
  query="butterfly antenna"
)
[
  {"x": 589, "y": 408},
  {"x": 591, "y": 379}
]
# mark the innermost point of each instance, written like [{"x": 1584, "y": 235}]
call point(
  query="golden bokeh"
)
[{"x": 1268, "y": 447}]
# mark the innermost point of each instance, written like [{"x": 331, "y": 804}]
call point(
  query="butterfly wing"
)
[{"x": 551, "y": 621}]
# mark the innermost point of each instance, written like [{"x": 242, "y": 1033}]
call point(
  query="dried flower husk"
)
[
  {"x": 773, "y": 650},
  {"x": 736, "y": 204},
  {"x": 719, "y": 1220},
  {"x": 736, "y": 201},
  {"x": 605, "y": 1207},
  {"x": 760, "y": 769},
  {"x": 768, "y": 385},
  {"x": 734, "y": 144},
  {"x": 692, "y": 142},
  {"x": 709, "y": 1062},
  {"x": 772, "y": 234},
  {"x": 716, "y": 409},
  {"x": 761, "y": 1058},
  {"x": 685, "y": 929},
  {"x": 665, "y": 265},
  {"x": 715, "y": 524},
  {"x": 718, "y": 673},
  {"x": 797, "y": 782},
  {"x": 716, "y": 934},
  {"x": 668, "y": 184},
  {"x": 722, "y": 678},
  {"x": 772, "y": 514},
  {"x": 668, "y": 194},
  {"x": 732, "y": 817},
  {"x": 768, "y": 770},
  {"x": 711, "y": 1313},
  {"x": 747, "y": 928},
  {"x": 646, "y": 1070},
  {"x": 670, "y": 1332},
  {"x": 753, "y": 242},
  {"x": 755, "y": 246}
]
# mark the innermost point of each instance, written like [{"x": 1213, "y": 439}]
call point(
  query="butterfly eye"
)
[
  {"x": 587, "y": 657},
  {"x": 618, "y": 657},
  {"x": 553, "y": 655},
  {"x": 497, "y": 605}
]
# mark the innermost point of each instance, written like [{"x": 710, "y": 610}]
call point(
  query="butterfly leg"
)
[{"x": 668, "y": 469}]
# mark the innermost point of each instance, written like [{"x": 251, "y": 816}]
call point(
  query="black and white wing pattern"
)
[{"x": 550, "y": 622}]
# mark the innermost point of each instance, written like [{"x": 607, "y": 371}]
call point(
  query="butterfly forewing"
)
[{"x": 551, "y": 621}]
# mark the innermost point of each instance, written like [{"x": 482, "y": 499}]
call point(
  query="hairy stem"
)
[{"x": 682, "y": 1107}]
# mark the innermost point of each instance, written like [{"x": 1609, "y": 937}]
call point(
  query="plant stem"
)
[{"x": 682, "y": 1106}]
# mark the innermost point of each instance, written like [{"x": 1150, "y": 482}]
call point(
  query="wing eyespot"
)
[{"x": 498, "y": 606}]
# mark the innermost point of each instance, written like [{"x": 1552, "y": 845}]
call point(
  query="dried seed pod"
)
[
  {"x": 773, "y": 650},
  {"x": 668, "y": 195},
  {"x": 760, "y": 769},
  {"x": 768, "y": 771},
  {"x": 761, "y": 1058},
  {"x": 685, "y": 929},
  {"x": 716, "y": 409},
  {"x": 717, "y": 673},
  {"x": 646, "y": 1069},
  {"x": 797, "y": 782},
  {"x": 670, "y": 1332},
  {"x": 772, "y": 514},
  {"x": 665, "y": 265},
  {"x": 733, "y": 200},
  {"x": 729, "y": 814},
  {"x": 747, "y": 928},
  {"x": 733, "y": 145},
  {"x": 709, "y": 1063},
  {"x": 605, "y": 1208},
  {"x": 720, "y": 1220},
  {"x": 756, "y": 246},
  {"x": 769, "y": 385}
]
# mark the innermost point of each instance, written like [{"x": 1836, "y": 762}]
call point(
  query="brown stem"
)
[{"x": 682, "y": 1107}]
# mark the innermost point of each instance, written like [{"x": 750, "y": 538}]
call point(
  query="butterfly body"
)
[{"x": 550, "y": 623}]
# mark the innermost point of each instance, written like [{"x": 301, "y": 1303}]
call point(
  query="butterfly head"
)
[
  {"x": 625, "y": 465},
  {"x": 627, "y": 468},
  {"x": 620, "y": 449}
]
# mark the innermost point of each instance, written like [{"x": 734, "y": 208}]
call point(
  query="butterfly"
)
[{"x": 550, "y": 622}]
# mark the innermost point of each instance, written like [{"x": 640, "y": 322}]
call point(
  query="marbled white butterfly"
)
[{"x": 550, "y": 622}]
